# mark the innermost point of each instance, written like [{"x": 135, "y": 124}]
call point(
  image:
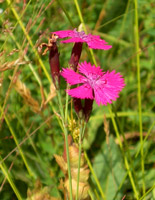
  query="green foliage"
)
[
  {"x": 109, "y": 168},
  {"x": 29, "y": 140}
]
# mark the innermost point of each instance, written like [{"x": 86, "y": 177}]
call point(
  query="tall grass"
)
[{"x": 121, "y": 160}]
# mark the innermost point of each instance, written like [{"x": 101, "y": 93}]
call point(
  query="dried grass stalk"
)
[
  {"x": 40, "y": 193},
  {"x": 1, "y": 79},
  {"x": 9, "y": 65},
  {"x": 21, "y": 88},
  {"x": 52, "y": 93},
  {"x": 84, "y": 172}
]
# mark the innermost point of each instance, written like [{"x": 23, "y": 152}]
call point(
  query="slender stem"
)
[
  {"x": 66, "y": 106},
  {"x": 95, "y": 177},
  {"x": 18, "y": 146},
  {"x": 147, "y": 135},
  {"x": 60, "y": 105},
  {"x": 68, "y": 164},
  {"x": 84, "y": 27},
  {"x": 30, "y": 139},
  {"x": 113, "y": 39},
  {"x": 66, "y": 13},
  {"x": 28, "y": 39},
  {"x": 66, "y": 143},
  {"x": 82, "y": 130},
  {"x": 147, "y": 192},
  {"x": 125, "y": 158},
  {"x": 123, "y": 114},
  {"x": 121, "y": 185},
  {"x": 8, "y": 177},
  {"x": 136, "y": 33},
  {"x": 126, "y": 146},
  {"x": 91, "y": 194},
  {"x": 124, "y": 18},
  {"x": 35, "y": 75}
]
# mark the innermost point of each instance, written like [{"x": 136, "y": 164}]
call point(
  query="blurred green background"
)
[{"x": 24, "y": 25}]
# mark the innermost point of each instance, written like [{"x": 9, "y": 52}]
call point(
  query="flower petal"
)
[
  {"x": 95, "y": 42},
  {"x": 114, "y": 81},
  {"x": 82, "y": 92},
  {"x": 88, "y": 70},
  {"x": 65, "y": 33},
  {"x": 72, "y": 77},
  {"x": 73, "y": 39},
  {"x": 108, "y": 88}
]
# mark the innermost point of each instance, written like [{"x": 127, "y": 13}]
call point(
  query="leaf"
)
[{"x": 109, "y": 169}]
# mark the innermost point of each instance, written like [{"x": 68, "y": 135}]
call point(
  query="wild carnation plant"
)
[
  {"x": 92, "y": 83},
  {"x": 77, "y": 123},
  {"x": 96, "y": 85},
  {"x": 93, "y": 41}
]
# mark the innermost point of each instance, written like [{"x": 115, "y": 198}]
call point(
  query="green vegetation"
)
[{"x": 119, "y": 138}]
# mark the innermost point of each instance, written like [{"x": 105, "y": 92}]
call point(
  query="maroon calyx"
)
[
  {"x": 75, "y": 55},
  {"x": 54, "y": 64},
  {"x": 88, "y": 106}
]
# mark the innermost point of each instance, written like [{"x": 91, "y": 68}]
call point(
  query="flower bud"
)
[
  {"x": 88, "y": 106},
  {"x": 75, "y": 55},
  {"x": 54, "y": 64},
  {"x": 78, "y": 107}
]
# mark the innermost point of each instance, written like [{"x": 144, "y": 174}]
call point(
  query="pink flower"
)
[
  {"x": 103, "y": 87},
  {"x": 93, "y": 41}
]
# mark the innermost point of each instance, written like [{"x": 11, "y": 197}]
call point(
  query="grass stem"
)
[
  {"x": 8, "y": 177},
  {"x": 94, "y": 176},
  {"x": 84, "y": 27},
  {"x": 66, "y": 142},
  {"x": 82, "y": 130},
  {"x": 136, "y": 35},
  {"x": 29, "y": 39},
  {"x": 18, "y": 146},
  {"x": 125, "y": 158}
]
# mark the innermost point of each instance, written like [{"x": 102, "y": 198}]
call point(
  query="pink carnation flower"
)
[
  {"x": 103, "y": 87},
  {"x": 93, "y": 41}
]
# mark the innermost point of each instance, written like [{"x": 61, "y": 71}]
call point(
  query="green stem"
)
[
  {"x": 84, "y": 27},
  {"x": 94, "y": 176},
  {"x": 66, "y": 143},
  {"x": 18, "y": 146},
  {"x": 8, "y": 177},
  {"x": 147, "y": 135},
  {"x": 121, "y": 185},
  {"x": 113, "y": 39},
  {"x": 66, "y": 13},
  {"x": 82, "y": 130},
  {"x": 136, "y": 33},
  {"x": 91, "y": 194},
  {"x": 66, "y": 106},
  {"x": 123, "y": 114},
  {"x": 30, "y": 139},
  {"x": 125, "y": 158},
  {"x": 29, "y": 39},
  {"x": 124, "y": 18},
  {"x": 35, "y": 75},
  {"x": 126, "y": 145},
  {"x": 147, "y": 192}
]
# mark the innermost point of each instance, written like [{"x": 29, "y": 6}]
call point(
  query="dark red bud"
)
[
  {"x": 74, "y": 60},
  {"x": 78, "y": 106},
  {"x": 75, "y": 55},
  {"x": 88, "y": 106},
  {"x": 54, "y": 64}
]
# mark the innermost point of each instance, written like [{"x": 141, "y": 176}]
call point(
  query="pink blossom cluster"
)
[
  {"x": 92, "y": 83},
  {"x": 95, "y": 84},
  {"x": 93, "y": 41}
]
